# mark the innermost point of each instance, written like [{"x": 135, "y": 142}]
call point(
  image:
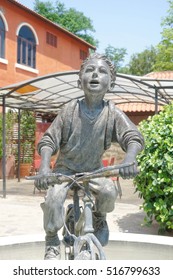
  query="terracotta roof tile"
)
[
  {"x": 145, "y": 107},
  {"x": 138, "y": 107},
  {"x": 167, "y": 75}
]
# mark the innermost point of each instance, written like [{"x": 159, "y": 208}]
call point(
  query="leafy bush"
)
[
  {"x": 9, "y": 122},
  {"x": 1, "y": 146},
  {"x": 27, "y": 135},
  {"x": 155, "y": 180}
]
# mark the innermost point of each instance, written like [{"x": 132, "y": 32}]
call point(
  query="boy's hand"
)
[
  {"x": 42, "y": 183},
  {"x": 130, "y": 171}
]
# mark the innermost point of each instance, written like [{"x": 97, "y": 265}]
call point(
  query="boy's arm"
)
[
  {"x": 130, "y": 140},
  {"x": 132, "y": 151},
  {"x": 46, "y": 153}
]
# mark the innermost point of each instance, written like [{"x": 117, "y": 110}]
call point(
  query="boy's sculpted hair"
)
[{"x": 101, "y": 57}]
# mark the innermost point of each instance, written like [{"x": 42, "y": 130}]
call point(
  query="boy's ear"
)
[
  {"x": 112, "y": 84},
  {"x": 79, "y": 84}
]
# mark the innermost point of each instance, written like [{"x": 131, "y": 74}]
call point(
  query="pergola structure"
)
[{"x": 49, "y": 93}]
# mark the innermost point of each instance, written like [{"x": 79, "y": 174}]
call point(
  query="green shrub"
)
[
  {"x": 155, "y": 180},
  {"x": 1, "y": 146},
  {"x": 9, "y": 123},
  {"x": 27, "y": 135}
]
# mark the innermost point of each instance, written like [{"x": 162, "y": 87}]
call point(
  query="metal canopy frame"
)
[{"x": 48, "y": 94}]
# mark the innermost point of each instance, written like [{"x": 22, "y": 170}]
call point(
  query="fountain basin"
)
[{"x": 121, "y": 246}]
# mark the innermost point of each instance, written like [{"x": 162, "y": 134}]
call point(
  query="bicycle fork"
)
[
  {"x": 86, "y": 215},
  {"x": 86, "y": 239}
]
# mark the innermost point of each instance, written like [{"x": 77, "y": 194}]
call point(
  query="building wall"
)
[
  {"x": 137, "y": 117},
  {"x": 49, "y": 59}
]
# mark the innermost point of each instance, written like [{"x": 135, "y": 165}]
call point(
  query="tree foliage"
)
[
  {"x": 154, "y": 182},
  {"x": 71, "y": 19},
  {"x": 116, "y": 55},
  {"x": 142, "y": 63},
  {"x": 158, "y": 58},
  {"x": 164, "y": 59}
]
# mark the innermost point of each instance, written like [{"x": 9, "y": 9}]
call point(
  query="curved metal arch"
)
[{"x": 44, "y": 92}]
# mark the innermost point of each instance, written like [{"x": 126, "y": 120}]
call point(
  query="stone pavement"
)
[{"x": 20, "y": 212}]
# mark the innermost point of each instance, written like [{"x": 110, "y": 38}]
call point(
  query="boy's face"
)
[{"x": 96, "y": 79}]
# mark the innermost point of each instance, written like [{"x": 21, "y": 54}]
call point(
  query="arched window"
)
[
  {"x": 26, "y": 47},
  {"x": 2, "y": 38}
]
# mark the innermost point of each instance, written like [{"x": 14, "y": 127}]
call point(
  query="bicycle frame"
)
[
  {"x": 84, "y": 241},
  {"x": 86, "y": 245}
]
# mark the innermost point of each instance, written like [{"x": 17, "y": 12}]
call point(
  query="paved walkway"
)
[{"x": 20, "y": 213}]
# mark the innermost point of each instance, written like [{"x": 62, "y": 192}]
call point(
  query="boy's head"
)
[{"x": 98, "y": 57}]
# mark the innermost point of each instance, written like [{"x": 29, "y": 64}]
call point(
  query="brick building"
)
[{"x": 32, "y": 46}]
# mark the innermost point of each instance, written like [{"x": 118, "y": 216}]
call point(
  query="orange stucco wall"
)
[{"x": 48, "y": 58}]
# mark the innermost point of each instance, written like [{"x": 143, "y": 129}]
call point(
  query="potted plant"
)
[
  {"x": 10, "y": 160},
  {"x": 27, "y": 140},
  {"x": 27, "y": 144}
]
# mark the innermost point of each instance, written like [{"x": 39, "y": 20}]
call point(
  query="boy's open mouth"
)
[{"x": 94, "y": 82}]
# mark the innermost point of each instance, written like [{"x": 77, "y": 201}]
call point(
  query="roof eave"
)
[{"x": 50, "y": 22}]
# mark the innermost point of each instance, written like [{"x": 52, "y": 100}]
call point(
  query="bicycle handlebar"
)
[{"x": 54, "y": 178}]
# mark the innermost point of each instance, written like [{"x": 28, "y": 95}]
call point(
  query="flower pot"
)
[
  {"x": 10, "y": 167},
  {"x": 25, "y": 169}
]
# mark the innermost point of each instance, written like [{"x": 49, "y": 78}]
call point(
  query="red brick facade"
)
[{"x": 56, "y": 48}]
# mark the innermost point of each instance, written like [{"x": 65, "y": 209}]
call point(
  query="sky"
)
[{"x": 130, "y": 24}]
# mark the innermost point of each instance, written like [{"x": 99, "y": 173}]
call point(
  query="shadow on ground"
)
[{"x": 134, "y": 223}]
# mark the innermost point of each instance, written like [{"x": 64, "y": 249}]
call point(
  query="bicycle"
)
[{"x": 78, "y": 237}]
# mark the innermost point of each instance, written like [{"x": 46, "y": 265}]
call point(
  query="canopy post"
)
[
  {"x": 19, "y": 145},
  {"x": 4, "y": 146},
  {"x": 156, "y": 100}
]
